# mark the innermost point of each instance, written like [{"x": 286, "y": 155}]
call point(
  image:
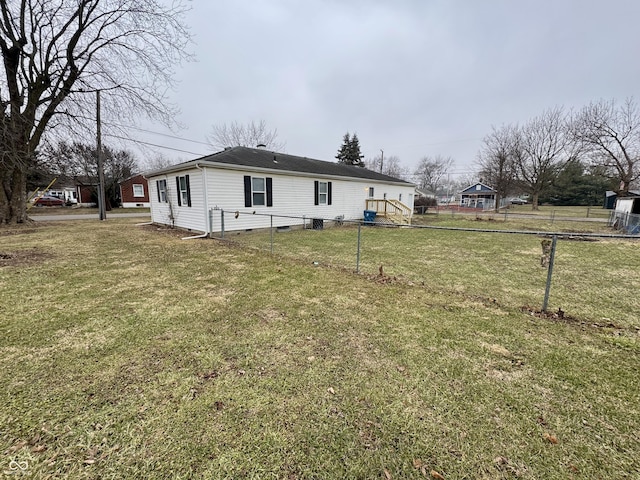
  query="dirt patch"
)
[
  {"x": 561, "y": 316},
  {"x": 171, "y": 232},
  {"x": 17, "y": 259}
]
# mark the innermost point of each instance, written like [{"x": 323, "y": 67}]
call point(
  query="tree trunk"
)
[
  {"x": 534, "y": 201},
  {"x": 13, "y": 195}
]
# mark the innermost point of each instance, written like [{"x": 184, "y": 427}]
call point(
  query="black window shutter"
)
[
  {"x": 158, "y": 189},
  {"x": 329, "y": 193},
  {"x": 188, "y": 191},
  {"x": 269, "y": 192},
  {"x": 316, "y": 190},
  {"x": 247, "y": 191},
  {"x": 178, "y": 190}
]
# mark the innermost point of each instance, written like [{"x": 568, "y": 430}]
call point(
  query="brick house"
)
[{"x": 134, "y": 192}]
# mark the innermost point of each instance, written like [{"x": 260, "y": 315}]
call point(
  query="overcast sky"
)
[{"x": 411, "y": 77}]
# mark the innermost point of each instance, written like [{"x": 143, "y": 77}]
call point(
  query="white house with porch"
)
[{"x": 264, "y": 188}]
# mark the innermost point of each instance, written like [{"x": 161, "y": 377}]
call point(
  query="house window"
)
[
  {"x": 370, "y": 192},
  {"x": 184, "y": 191},
  {"x": 478, "y": 187},
  {"x": 161, "y": 187},
  {"x": 138, "y": 190},
  {"x": 258, "y": 191},
  {"x": 322, "y": 193}
]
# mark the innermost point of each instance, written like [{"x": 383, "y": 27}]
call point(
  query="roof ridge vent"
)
[{"x": 261, "y": 146}]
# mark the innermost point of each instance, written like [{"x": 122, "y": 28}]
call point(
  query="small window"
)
[
  {"x": 322, "y": 193},
  {"x": 400, "y": 197},
  {"x": 478, "y": 187},
  {"x": 183, "y": 190},
  {"x": 138, "y": 190},
  {"x": 258, "y": 191},
  {"x": 370, "y": 192},
  {"x": 162, "y": 190}
]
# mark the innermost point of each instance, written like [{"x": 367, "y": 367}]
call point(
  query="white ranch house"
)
[{"x": 242, "y": 181}]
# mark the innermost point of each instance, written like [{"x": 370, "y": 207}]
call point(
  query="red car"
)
[{"x": 48, "y": 201}]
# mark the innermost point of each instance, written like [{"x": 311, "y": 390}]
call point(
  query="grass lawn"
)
[{"x": 126, "y": 352}]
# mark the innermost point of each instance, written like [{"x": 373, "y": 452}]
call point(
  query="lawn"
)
[{"x": 134, "y": 354}]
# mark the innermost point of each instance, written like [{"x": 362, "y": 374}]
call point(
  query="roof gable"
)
[
  {"x": 483, "y": 188},
  {"x": 257, "y": 158}
]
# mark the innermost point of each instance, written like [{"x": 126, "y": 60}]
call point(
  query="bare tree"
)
[
  {"x": 391, "y": 166},
  {"x": 497, "y": 160},
  {"x": 541, "y": 148},
  {"x": 431, "y": 171},
  {"x": 250, "y": 135},
  {"x": 54, "y": 52},
  {"x": 611, "y": 136}
]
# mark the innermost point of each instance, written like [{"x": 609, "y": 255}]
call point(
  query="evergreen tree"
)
[
  {"x": 349, "y": 152},
  {"x": 343, "y": 153},
  {"x": 355, "y": 156}
]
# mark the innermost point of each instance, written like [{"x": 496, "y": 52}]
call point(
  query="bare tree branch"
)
[
  {"x": 55, "y": 50},
  {"x": 431, "y": 171},
  {"x": 611, "y": 136},
  {"x": 244, "y": 135}
]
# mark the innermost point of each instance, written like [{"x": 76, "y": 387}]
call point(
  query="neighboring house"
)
[
  {"x": 610, "y": 198},
  {"x": 478, "y": 195},
  {"x": 261, "y": 183},
  {"x": 134, "y": 192}
]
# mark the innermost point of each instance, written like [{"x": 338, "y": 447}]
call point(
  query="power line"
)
[
  {"x": 159, "y": 133},
  {"x": 156, "y": 145}
]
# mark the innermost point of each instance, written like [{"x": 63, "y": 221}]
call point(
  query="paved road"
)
[{"x": 87, "y": 216}]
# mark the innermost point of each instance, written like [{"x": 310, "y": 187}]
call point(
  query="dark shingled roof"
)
[{"x": 261, "y": 158}]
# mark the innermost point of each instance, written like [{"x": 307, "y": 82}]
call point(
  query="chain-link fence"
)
[
  {"x": 625, "y": 222},
  {"x": 585, "y": 275}
]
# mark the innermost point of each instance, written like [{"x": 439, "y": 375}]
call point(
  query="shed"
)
[
  {"x": 627, "y": 215},
  {"x": 264, "y": 187}
]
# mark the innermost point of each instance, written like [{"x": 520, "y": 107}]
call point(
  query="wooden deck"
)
[{"x": 393, "y": 211}]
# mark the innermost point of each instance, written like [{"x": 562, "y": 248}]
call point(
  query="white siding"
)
[
  {"x": 293, "y": 195},
  {"x": 190, "y": 218}
]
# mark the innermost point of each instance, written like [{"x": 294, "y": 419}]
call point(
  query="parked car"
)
[
  {"x": 518, "y": 201},
  {"x": 49, "y": 201}
]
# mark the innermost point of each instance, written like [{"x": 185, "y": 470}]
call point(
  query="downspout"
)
[{"x": 205, "y": 205}]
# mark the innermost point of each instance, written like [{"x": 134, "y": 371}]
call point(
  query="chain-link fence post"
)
[
  {"x": 221, "y": 223},
  {"x": 552, "y": 255},
  {"x": 271, "y": 233}
]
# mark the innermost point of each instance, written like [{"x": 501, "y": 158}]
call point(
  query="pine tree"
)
[
  {"x": 343, "y": 153},
  {"x": 355, "y": 156},
  {"x": 349, "y": 152}
]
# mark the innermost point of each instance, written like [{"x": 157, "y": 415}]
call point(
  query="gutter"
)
[{"x": 207, "y": 226}]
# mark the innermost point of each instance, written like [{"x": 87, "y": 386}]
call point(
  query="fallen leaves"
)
[
  {"x": 420, "y": 465},
  {"x": 331, "y": 391},
  {"x": 550, "y": 438}
]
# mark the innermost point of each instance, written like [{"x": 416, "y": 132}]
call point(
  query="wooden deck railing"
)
[{"x": 393, "y": 210}]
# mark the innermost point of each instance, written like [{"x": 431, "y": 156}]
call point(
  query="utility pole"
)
[
  {"x": 101, "y": 193},
  {"x": 381, "y": 159}
]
